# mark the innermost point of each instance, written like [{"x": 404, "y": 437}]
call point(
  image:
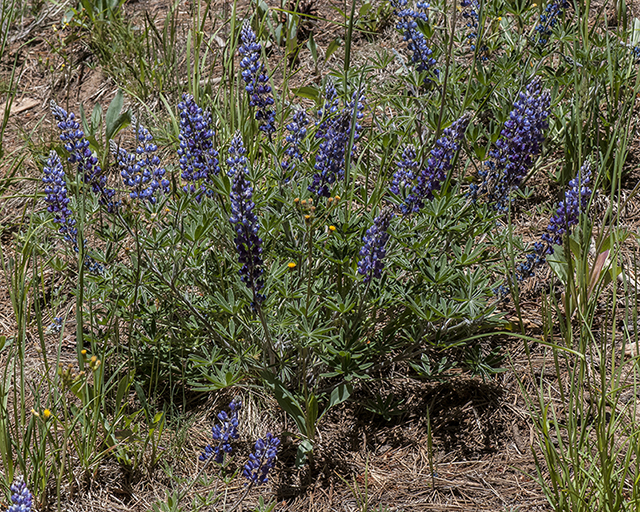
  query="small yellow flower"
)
[
  {"x": 307, "y": 217},
  {"x": 499, "y": 18},
  {"x": 94, "y": 359},
  {"x": 332, "y": 228},
  {"x": 84, "y": 352},
  {"x": 291, "y": 265},
  {"x": 337, "y": 198},
  {"x": 46, "y": 414}
]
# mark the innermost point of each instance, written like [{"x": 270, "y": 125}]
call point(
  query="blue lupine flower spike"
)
[
  {"x": 335, "y": 132},
  {"x": 408, "y": 24},
  {"x": 198, "y": 157},
  {"x": 80, "y": 154},
  {"x": 141, "y": 172},
  {"x": 245, "y": 221},
  {"x": 406, "y": 173},
  {"x": 256, "y": 79},
  {"x": 263, "y": 458},
  {"x": 55, "y": 188},
  {"x": 373, "y": 250},
  {"x": 519, "y": 145},
  {"x": 430, "y": 179},
  {"x": 576, "y": 201},
  {"x": 222, "y": 433},
  {"x": 549, "y": 19},
  {"x": 21, "y": 497},
  {"x": 297, "y": 129}
]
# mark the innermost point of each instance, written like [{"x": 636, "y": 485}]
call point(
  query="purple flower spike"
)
[
  {"x": 141, "y": 172},
  {"x": 254, "y": 75},
  {"x": 549, "y": 19},
  {"x": 430, "y": 179},
  {"x": 21, "y": 497},
  {"x": 198, "y": 158},
  {"x": 335, "y": 132},
  {"x": 519, "y": 145},
  {"x": 80, "y": 154},
  {"x": 416, "y": 42},
  {"x": 373, "y": 250},
  {"x": 576, "y": 201},
  {"x": 406, "y": 173},
  {"x": 55, "y": 188},
  {"x": 245, "y": 221},
  {"x": 256, "y": 470},
  {"x": 297, "y": 129},
  {"x": 222, "y": 433}
]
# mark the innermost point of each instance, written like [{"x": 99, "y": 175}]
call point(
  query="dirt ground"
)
[{"x": 482, "y": 457}]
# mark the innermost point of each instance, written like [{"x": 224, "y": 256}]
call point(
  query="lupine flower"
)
[
  {"x": 248, "y": 243},
  {"x": 254, "y": 75},
  {"x": 297, "y": 129},
  {"x": 549, "y": 19},
  {"x": 517, "y": 148},
  {"x": 21, "y": 497},
  {"x": 198, "y": 158},
  {"x": 80, "y": 154},
  {"x": 222, "y": 433},
  {"x": 335, "y": 132},
  {"x": 373, "y": 250},
  {"x": 470, "y": 13},
  {"x": 406, "y": 173},
  {"x": 55, "y": 188},
  {"x": 430, "y": 179},
  {"x": 256, "y": 470},
  {"x": 576, "y": 201},
  {"x": 141, "y": 172},
  {"x": 416, "y": 42}
]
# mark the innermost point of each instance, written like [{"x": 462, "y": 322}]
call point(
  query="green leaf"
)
[
  {"x": 313, "y": 48},
  {"x": 339, "y": 395},
  {"x": 96, "y": 118},
  {"x": 114, "y": 119},
  {"x": 306, "y": 92},
  {"x": 333, "y": 46},
  {"x": 287, "y": 401},
  {"x": 305, "y": 448}
]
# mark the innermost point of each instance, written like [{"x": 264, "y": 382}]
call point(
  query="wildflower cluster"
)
[
  {"x": 408, "y": 24},
  {"x": 373, "y": 250},
  {"x": 55, "y": 188},
  {"x": 549, "y": 19},
  {"x": 198, "y": 158},
  {"x": 335, "y": 130},
  {"x": 248, "y": 243},
  {"x": 430, "y": 179},
  {"x": 517, "y": 148},
  {"x": 141, "y": 172},
  {"x": 79, "y": 153},
  {"x": 21, "y": 497},
  {"x": 256, "y": 470},
  {"x": 255, "y": 78},
  {"x": 223, "y": 432}
]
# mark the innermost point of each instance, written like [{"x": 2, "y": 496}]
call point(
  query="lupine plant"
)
[{"x": 306, "y": 240}]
